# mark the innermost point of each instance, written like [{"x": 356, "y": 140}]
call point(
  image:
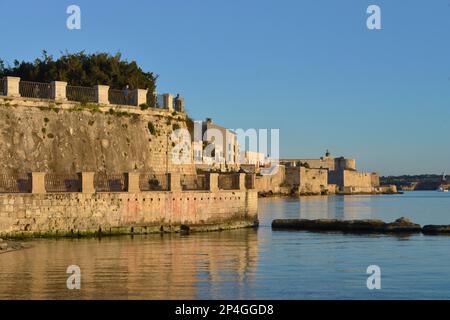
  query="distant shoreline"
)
[
  {"x": 424, "y": 182},
  {"x": 290, "y": 195}
]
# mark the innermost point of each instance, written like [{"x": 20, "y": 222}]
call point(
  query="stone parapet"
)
[
  {"x": 58, "y": 90},
  {"x": 133, "y": 182},
  {"x": 101, "y": 94},
  {"x": 12, "y": 86},
  {"x": 87, "y": 182},
  {"x": 174, "y": 181},
  {"x": 141, "y": 96},
  {"x": 38, "y": 182},
  {"x": 213, "y": 182},
  {"x": 241, "y": 181},
  {"x": 168, "y": 101}
]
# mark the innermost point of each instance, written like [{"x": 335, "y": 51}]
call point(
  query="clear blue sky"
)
[{"x": 310, "y": 68}]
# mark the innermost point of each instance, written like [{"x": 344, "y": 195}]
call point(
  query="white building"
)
[
  {"x": 214, "y": 145},
  {"x": 257, "y": 159}
]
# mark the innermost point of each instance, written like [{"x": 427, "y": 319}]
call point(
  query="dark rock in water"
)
[
  {"x": 436, "y": 229},
  {"x": 403, "y": 225},
  {"x": 262, "y": 194},
  {"x": 364, "y": 226},
  {"x": 185, "y": 228},
  {"x": 6, "y": 246}
]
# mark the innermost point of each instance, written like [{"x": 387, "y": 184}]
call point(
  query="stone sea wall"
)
[{"x": 74, "y": 214}]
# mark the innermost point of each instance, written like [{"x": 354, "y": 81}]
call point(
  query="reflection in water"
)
[
  {"x": 421, "y": 207},
  {"x": 335, "y": 207},
  {"x": 326, "y": 207},
  {"x": 143, "y": 267},
  {"x": 249, "y": 264}
]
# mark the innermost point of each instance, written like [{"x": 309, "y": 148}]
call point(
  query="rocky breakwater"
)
[
  {"x": 356, "y": 226},
  {"x": 436, "y": 229}
]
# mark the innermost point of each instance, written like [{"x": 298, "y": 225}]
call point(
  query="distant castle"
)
[{"x": 330, "y": 175}]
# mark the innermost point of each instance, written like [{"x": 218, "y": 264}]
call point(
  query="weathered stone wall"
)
[
  {"x": 358, "y": 179},
  {"x": 386, "y": 189},
  {"x": 390, "y": 189},
  {"x": 332, "y": 181},
  {"x": 145, "y": 212},
  {"x": 313, "y": 180},
  {"x": 375, "y": 179},
  {"x": 271, "y": 183},
  {"x": 38, "y": 135},
  {"x": 332, "y": 188},
  {"x": 344, "y": 164},
  {"x": 309, "y": 181},
  {"x": 292, "y": 176}
]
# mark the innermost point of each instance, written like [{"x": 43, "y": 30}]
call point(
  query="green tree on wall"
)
[{"x": 82, "y": 69}]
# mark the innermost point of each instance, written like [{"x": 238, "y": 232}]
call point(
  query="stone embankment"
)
[
  {"x": 75, "y": 214},
  {"x": 359, "y": 226}
]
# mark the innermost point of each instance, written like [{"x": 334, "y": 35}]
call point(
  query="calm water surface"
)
[{"x": 249, "y": 264}]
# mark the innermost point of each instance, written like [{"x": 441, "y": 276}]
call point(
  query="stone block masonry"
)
[
  {"x": 271, "y": 183},
  {"x": 78, "y": 214},
  {"x": 133, "y": 211},
  {"x": 314, "y": 181}
]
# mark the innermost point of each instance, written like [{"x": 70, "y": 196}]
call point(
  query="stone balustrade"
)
[
  {"x": 89, "y": 183},
  {"x": 13, "y": 86}
]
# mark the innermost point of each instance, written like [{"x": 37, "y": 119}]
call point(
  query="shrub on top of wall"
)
[{"x": 116, "y": 113}]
